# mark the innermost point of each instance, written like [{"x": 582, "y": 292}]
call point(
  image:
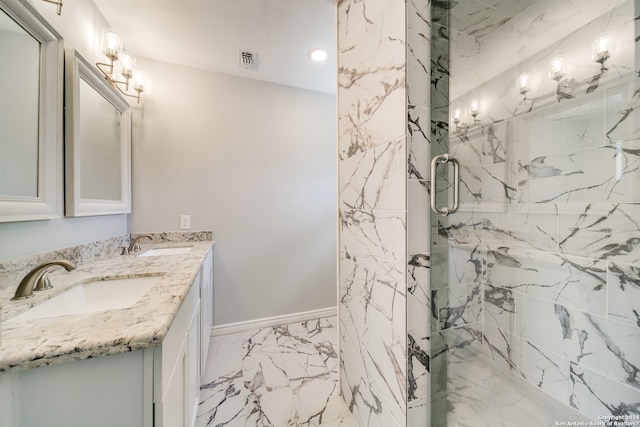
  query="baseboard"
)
[{"x": 232, "y": 328}]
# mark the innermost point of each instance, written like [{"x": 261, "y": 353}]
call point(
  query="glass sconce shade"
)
[
  {"x": 111, "y": 44},
  {"x": 127, "y": 64},
  {"x": 474, "y": 107},
  {"x": 601, "y": 48},
  {"x": 556, "y": 68},
  {"x": 523, "y": 83},
  {"x": 138, "y": 80}
]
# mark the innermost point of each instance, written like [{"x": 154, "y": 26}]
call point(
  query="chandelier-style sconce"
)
[
  {"x": 121, "y": 70},
  {"x": 57, "y": 3},
  {"x": 601, "y": 50}
]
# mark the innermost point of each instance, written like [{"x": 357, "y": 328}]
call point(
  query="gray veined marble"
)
[{"x": 281, "y": 376}]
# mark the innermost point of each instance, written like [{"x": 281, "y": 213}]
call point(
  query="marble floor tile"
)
[{"x": 278, "y": 376}]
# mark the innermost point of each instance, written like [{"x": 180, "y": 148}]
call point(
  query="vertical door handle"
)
[{"x": 445, "y": 210}]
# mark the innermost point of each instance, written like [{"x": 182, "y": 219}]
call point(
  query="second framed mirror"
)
[{"x": 97, "y": 142}]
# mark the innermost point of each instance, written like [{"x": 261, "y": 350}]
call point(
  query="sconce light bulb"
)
[
  {"x": 523, "y": 83},
  {"x": 601, "y": 49},
  {"x": 474, "y": 107},
  {"x": 138, "y": 78},
  {"x": 456, "y": 116},
  {"x": 128, "y": 64},
  {"x": 556, "y": 68},
  {"x": 111, "y": 44}
]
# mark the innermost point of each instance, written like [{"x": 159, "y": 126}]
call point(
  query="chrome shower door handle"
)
[{"x": 445, "y": 210}]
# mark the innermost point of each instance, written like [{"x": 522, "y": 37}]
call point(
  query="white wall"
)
[
  {"x": 255, "y": 163},
  {"x": 80, "y": 25}
]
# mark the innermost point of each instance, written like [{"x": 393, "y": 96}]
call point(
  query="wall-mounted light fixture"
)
[
  {"x": 558, "y": 72},
  {"x": 601, "y": 50},
  {"x": 523, "y": 84},
  {"x": 456, "y": 117},
  {"x": 556, "y": 68},
  {"x": 121, "y": 70},
  {"x": 474, "y": 110},
  {"x": 57, "y": 3}
]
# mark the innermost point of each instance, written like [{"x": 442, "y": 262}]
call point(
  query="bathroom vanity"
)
[{"x": 135, "y": 366}]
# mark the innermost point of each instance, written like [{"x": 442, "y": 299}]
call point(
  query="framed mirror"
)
[
  {"x": 97, "y": 142},
  {"x": 31, "y": 105}
]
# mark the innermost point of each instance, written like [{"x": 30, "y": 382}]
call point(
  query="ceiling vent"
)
[{"x": 248, "y": 60}]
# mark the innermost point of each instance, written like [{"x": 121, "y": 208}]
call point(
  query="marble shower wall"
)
[
  {"x": 372, "y": 149},
  {"x": 543, "y": 272}
]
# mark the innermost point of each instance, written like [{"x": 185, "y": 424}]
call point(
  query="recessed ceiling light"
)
[{"x": 318, "y": 55}]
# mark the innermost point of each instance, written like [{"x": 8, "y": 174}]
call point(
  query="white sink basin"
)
[
  {"x": 167, "y": 251},
  {"x": 92, "y": 297}
]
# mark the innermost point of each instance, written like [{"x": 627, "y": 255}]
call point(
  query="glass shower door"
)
[{"x": 535, "y": 259}]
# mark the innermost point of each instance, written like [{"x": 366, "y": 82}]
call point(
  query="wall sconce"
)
[
  {"x": 474, "y": 110},
  {"x": 558, "y": 73},
  {"x": 523, "y": 84},
  {"x": 601, "y": 50},
  {"x": 456, "y": 117},
  {"x": 556, "y": 68},
  {"x": 57, "y": 3},
  {"x": 121, "y": 65}
]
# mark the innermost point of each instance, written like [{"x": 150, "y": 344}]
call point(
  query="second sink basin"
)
[{"x": 93, "y": 297}]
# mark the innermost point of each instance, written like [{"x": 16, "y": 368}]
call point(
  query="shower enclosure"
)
[{"x": 535, "y": 233}]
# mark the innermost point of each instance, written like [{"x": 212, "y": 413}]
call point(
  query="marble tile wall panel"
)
[
  {"x": 375, "y": 240},
  {"x": 463, "y": 343},
  {"x": 418, "y": 63},
  {"x": 420, "y": 314},
  {"x": 603, "y": 174},
  {"x": 420, "y": 307},
  {"x": 604, "y": 231},
  {"x": 372, "y": 373},
  {"x": 624, "y": 293},
  {"x": 605, "y": 346},
  {"x": 419, "y": 15},
  {"x": 596, "y": 396},
  {"x": 418, "y": 139},
  {"x": 459, "y": 305},
  {"x": 538, "y": 366},
  {"x": 375, "y": 178},
  {"x": 572, "y": 281},
  {"x": 463, "y": 228},
  {"x": 534, "y": 227},
  {"x": 498, "y": 307},
  {"x": 418, "y": 377},
  {"x": 371, "y": 74}
]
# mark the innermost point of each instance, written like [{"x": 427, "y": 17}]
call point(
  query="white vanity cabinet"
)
[
  {"x": 177, "y": 366},
  {"x": 206, "y": 309},
  {"x": 154, "y": 387}
]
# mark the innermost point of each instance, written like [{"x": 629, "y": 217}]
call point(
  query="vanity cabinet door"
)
[
  {"x": 177, "y": 379},
  {"x": 206, "y": 309}
]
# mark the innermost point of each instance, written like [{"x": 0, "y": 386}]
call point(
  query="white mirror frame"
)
[
  {"x": 76, "y": 68},
  {"x": 48, "y": 203}
]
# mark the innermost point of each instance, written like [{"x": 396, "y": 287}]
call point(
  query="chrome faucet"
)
[
  {"x": 134, "y": 246},
  {"x": 37, "y": 280}
]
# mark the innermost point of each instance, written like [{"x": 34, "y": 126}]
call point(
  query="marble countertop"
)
[{"x": 33, "y": 343}]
